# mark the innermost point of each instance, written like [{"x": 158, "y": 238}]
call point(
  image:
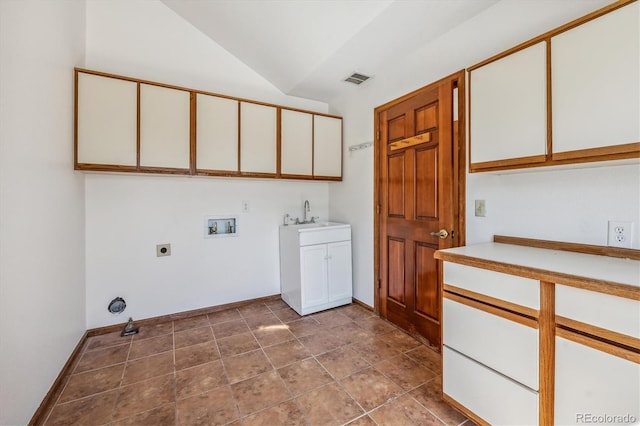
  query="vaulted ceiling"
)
[{"x": 307, "y": 48}]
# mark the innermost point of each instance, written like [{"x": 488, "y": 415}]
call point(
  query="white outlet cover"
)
[
  {"x": 481, "y": 208},
  {"x": 620, "y": 234}
]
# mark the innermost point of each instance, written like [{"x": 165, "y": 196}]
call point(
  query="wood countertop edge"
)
[{"x": 601, "y": 286}]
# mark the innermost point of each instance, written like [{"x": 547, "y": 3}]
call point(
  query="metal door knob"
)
[{"x": 442, "y": 234}]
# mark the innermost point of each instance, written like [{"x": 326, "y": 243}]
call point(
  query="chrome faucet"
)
[{"x": 306, "y": 209}]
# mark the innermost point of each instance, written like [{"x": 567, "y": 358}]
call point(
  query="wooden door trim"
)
[{"x": 458, "y": 172}]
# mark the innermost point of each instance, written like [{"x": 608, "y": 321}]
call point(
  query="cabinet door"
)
[
  {"x": 339, "y": 273},
  {"x": 595, "y": 82},
  {"x": 313, "y": 265},
  {"x": 508, "y": 111},
  {"x": 107, "y": 121},
  {"x": 296, "y": 143},
  {"x": 327, "y": 146},
  {"x": 216, "y": 133},
  {"x": 589, "y": 382},
  {"x": 164, "y": 127},
  {"x": 257, "y": 138}
]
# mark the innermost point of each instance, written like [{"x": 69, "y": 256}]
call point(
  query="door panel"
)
[
  {"x": 313, "y": 262},
  {"x": 396, "y": 271},
  {"x": 427, "y": 183},
  {"x": 416, "y": 197},
  {"x": 396, "y": 186}
]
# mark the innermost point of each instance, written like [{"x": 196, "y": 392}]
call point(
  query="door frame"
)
[{"x": 457, "y": 172}]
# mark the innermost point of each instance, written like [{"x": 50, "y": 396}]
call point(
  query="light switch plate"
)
[{"x": 481, "y": 208}]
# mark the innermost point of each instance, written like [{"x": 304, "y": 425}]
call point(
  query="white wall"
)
[
  {"x": 569, "y": 205},
  {"x": 42, "y": 296},
  {"x": 126, "y": 216}
]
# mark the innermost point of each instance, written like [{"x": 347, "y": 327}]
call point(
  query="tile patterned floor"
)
[{"x": 261, "y": 364}]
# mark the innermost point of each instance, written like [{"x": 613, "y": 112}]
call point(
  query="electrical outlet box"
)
[
  {"x": 163, "y": 250},
  {"x": 481, "y": 208},
  {"x": 620, "y": 234}
]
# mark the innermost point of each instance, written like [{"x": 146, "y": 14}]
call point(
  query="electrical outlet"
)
[
  {"x": 163, "y": 250},
  {"x": 620, "y": 234},
  {"x": 245, "y": 206},
  {"x": 481, "y": 208}
]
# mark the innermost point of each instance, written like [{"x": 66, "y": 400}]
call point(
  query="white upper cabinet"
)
[
  {"x": 258, "y": 135},
  {"x": 596, "y": 82},
  {"x": 327, "y": 146},
  {"x": 296, "y": 144},
  {"x": 216, "y": 133},
  {"x": 107, "y": 120},
  {"x": 164, "y": 127},
  {"x": 508, "y": 107}
]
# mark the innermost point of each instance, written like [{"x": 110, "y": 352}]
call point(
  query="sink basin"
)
[{"x": 321, "y": 224}]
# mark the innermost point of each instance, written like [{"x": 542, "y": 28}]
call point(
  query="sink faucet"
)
[{"x": 305, "y": 209}]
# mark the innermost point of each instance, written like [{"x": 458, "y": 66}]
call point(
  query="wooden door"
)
[{"x": 419, "y": 193}]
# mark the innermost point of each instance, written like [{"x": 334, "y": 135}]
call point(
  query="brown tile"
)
[
  {"x": 303, "y": 376},
  {"x": 405, "y": 372},
  {"x": 363, "y": 421},
  {"x": 215, "y": 407},
  {"x": 235, "y": 345},
  {"x": 94, "y": 410},
  {"x": 151, "y": 346},
  {"x": 370, "y": 388},
  {"x": 401, "y": 340},
  {"x": 146, "y": 368},
  {"x": 106, "y": 340},
  {"x": 276, "y": 305},
  {"x": 191, "y": 322},
  {"x": 351, "y": 332},
  {"x": 193, "y": 337},
  {"x": 92, "y": 382},
  {"x": 404, "y": 411},
  {"x": 321, "y": 342},
  {"x": 330, "y": 318},
  {"x": 305, "y": 327},
  {"x": 163, "y": 415},
  {"x": 199, "y": 379},
  {"x": 286, "y": 353},
  {"x": 224, "y": 316},
  {"x": 427, "y": 357},
  {"x": 273, "y": 336},
  {"x": 376, "y": 350},
  {"x": 100, "y": 358},
  {"x": 230, "y": 328},
  {"x": 342, "y": 362},
  {"x": 328, "y": 405},
  {"x": 196, "y": 354},
  {"x": 148, "y": 331},
  {"x": 285, "y": 414},
  {"x": 253, "y": 310},
  {"x": 287, "y": 315},
  {"x": 377, "y": 325},
  {"x": 356, "y": 312},
  {"x": 144, "y": 396},
  {"x": 247, "y": 365},
  {"x": 263, "y": 321},
  {"x": 430, "y": 395},
  {"x": 260, "y": 392}
]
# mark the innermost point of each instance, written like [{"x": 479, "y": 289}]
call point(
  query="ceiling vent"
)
[{"x": 357, "y": 78}]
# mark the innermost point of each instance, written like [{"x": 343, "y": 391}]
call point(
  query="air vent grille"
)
[{"x": 357, "y": 78}]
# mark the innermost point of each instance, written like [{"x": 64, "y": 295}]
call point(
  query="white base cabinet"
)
[{"x": 315, "y": 267}]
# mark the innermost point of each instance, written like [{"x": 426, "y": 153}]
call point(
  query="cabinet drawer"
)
[
  {"x": 601, "y": 310},
  {"x": 320, "y": 235},
  {"x": 518, "y": 290},
  {"x": 493, "y": 397},
  {"x": 503, "y": 345}
]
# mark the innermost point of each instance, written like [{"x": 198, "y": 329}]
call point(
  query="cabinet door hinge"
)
[
  {"x": 377, "y": 135},
  {"x": 377, "y": 208}
]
